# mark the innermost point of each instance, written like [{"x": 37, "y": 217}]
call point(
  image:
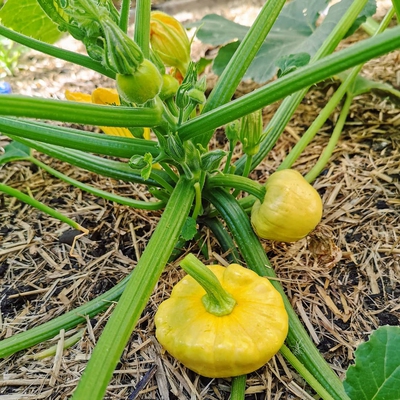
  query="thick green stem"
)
[
  {"x": 285, "y": 111},
  {"x": 396, "y": 5},
  {"x": 241, "y": 60},
  {"x": 305, "y": 373},
  {"x": 288, "y": 84},
  {"x": 80, "y": 113},
  {"x": 75, "y": 58},
  {"x": 217, "y": 301},
  {"x": 326, "y": 154},
  {"x": 237, "y": 182},
  {"x": 238, "y": 387},
  {"x": 329, "y": 107},
  {"x": 140, "y": 204},
  {"x": 124, "y": 15},
  {"x": 256, "y": 259},
  {"x": 77, "y": 139},
  {"x": 116, "y": 334},
  {"x": 316, "y": 125},
  {"x": 99, "y": 165},
  {"x": 142, "y": 26},
  {"x": 48, "y": 330},
  {"x": 40, "y": 206}
]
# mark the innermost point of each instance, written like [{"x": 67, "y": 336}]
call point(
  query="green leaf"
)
[
  {"x": 364, "y": 85},
  {"x": 287, "y": 64},
  {"x": 28, "y": 18},
  {"x": 146, "y": 171},
  {"x": 189, "y": 230},
  {"x": 14, "y": 152},
  {"x": 295, "y": 31},
  {"x": 376, "y": 373}
]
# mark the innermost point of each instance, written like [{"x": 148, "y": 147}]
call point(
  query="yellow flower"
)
[
  {"x": 169, "y": 40},
  {"x": 104, "y": 96}
]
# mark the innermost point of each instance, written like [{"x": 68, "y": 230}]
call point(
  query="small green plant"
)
[{"x": 178, "y": 168}]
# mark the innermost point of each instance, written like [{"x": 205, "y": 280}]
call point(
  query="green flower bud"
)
[
  {"x": 232, "y": 131},
  {"x": 251, "y": 128},
  {"x": 122, "y": 54},
  {"x": 175, "y": 148}
]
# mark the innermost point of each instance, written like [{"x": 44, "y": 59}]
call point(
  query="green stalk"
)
[
  {"x": 217, "y": 300},
  {"x": 247, "y": 167},
  {"x": 80, "y": 113},
  {"x": 238, "y": 387},
  {"x": 142, "y": 26},
  {"x": 99, "y": 165},
  {"x": 168, "y": 170},
  {"x": 224, "y": 239},
  {"x": 370, "y": 26},
  {"x": 41, "y": 207},
  {"x": 330, "y": 106},
  {"x": 318, "y": 122},
  {"x": 70, "y": 56},
  {"x": 241, "y": 60},
  {"x": 124, "y": 15},
  {"x": 71, "y": 319},
  {"x": 299, "y": 367},
  {"x": 288, "y": 84},
  {"x": 326, "y": 154},
  {"x": 51, "y": 351},
  {"x": 285, "y": 111},
  {"x": 116, "y": 334},
  {"x": 256, "y": 259},
  {"x": 396, "y": 5},
  {"x": 139, "y": 204},
  {"x": 77, "y": 139},
  {"x": 237, "y": 182}
]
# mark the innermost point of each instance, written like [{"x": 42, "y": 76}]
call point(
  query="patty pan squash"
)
[
  {"x": 291, "y": 209},
  {"x": 228, "y": 344}
]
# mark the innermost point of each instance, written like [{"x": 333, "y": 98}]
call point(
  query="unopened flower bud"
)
[
  {"x": 169, "y": 40},
  {"x": 250, "y": 132}
]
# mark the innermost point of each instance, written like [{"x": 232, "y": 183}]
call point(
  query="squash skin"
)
[
  {"x": 145, "y": 84},
  {"x": 233, "y": 344},
  {"x": 291, "y": 209}
]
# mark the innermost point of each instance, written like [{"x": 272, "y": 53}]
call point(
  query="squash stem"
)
[
  {"x": 217, "y": 301},
  {"x": 238, "y": 387}
]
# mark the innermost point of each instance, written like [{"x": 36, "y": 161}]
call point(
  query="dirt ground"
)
[{"x": 341, "y": 296}]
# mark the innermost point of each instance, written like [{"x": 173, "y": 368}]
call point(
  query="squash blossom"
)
[
  {"x": 104, "y": 96},
  {"x": 169, "y": 40},
  {"x": 222, "y": 322},
  {"x": 291, "y": 209}
]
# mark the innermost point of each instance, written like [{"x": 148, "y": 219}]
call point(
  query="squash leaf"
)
[
  {"x": 28, "y": 18},
  {"x": 363, "y": 85},
  {"x": 15, "y": 152},
  {"x": 376, "y": 372},
  {"x": 189, "y": 230},
  {"x": 295, "y": 31}
]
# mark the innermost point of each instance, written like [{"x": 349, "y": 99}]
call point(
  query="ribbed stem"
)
[
  {"x": 75, "y": 58},
  {"x": 116, "y": 334},
  {"x": 288, "y": 84},
  {"x": 77, "y": 138},
  {"x": 217, "y": 301},
  {"x": 256, "y": 259}
]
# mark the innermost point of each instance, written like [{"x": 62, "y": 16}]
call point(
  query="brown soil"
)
[{"x": 341, "y": 294}]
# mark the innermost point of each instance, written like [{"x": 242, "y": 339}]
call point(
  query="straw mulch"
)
[{"x": 343, "y": 282}]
